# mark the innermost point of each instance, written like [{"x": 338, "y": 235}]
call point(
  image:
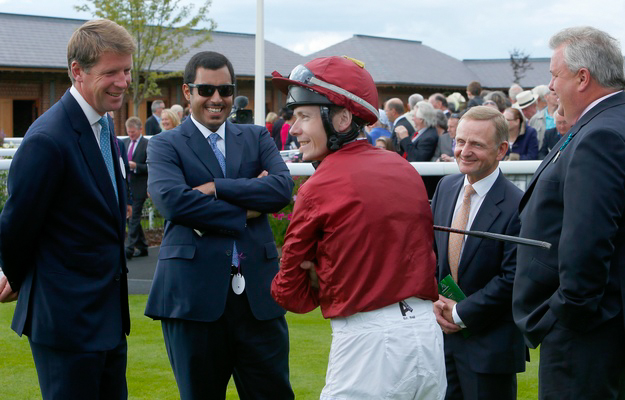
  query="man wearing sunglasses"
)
[
  {"x": 354, "y": 249},
  {"x": 214, "y": 182}
]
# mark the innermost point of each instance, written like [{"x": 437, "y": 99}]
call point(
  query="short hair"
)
[
  {"x": 484, "y": 113},
  {"x": 588, "y": 47},
  {"x": 427, "y": 113},
  {"x": 514, "y": 90},
  {"x": 442, "y": 99},
  {"x": 156, "y": 104},
  {"x": 134, "y": 122},
  {"x": 499, "y": 98},
  {"x": 475, "y": 88},
  {"x": 397, "y": 105},
  {"x": 172, "y": 115},
  {"x": 541, "y": 91},
  {"x": 414, "y": 99},
  {"x": 208, "y": 60},
  {"x": 177, "y": 108},
  {"x": 95, "y": 37},
  {"x": 441, "y": 119}
]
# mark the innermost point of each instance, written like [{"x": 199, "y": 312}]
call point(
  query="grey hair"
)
[
  {"x": 541, "y": 91},
  {"x": 426, "y": 112},
  {"x": 588, "y": 47},
  {"x": 414, "y": 99},
  {"x": 513, "y": 91},
  {"x": 441, "y": 120},
  {"x": 156, "y": 104},
  {"x": 134, "y": 122}
]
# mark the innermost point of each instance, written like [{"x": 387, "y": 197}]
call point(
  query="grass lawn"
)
[{"x": 149, "y": 373}]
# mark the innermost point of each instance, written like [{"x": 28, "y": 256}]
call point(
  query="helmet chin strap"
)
[{"x": 336, "y": 140}]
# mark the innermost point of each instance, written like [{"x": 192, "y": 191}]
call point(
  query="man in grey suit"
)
[
  {"x": 481, "y": 362},
  {"x": 570, "y": 299},
  {"x": 136, "y": 145}
]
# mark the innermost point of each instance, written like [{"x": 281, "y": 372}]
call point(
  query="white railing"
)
[{"x": 519, "y": 172}]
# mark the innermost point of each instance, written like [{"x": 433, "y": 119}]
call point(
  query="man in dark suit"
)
[
  {"x": 483, "y": 361},
  {"x": 214, "y": 182},
  {"x": 153, "y": 124},
  {"x": 62, "y": 229},
  {"x": 394, "y": 110},
  {"x": 136, "y": 245},
  {"x": 553, "y": 136},
  {"x": 569, "y": 299},
  {"x": 422, "y": 145}
]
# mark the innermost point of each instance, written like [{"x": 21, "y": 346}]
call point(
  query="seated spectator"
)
[
  {"x": 522, "y": 137},
  {"x": 422, "y": 145},
  {"x": 553, "y": 136},
  {"x": 384, "y": 142},
  {"x": 444, "y": 140},
  {"x": 271, "y": 117},
  {"x": 169, "y": 119}
]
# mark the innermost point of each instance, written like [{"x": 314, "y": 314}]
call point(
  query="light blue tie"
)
[
  {"x": 105, "y": 149},
  {"x": 222, "y": 163}
]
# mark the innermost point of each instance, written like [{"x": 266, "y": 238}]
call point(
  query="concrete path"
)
[{"x": 141, "y": 271}]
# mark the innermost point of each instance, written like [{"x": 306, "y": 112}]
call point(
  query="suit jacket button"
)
[
  {"x": 117, "y": 277},
  {"x": 228, "y": 252}
]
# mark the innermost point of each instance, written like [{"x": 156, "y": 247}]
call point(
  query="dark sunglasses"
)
[{"x": 208, "y": 90}]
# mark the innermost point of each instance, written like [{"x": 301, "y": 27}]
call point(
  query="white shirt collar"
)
[
  {"x": 221, "y": 131},
  {"x": 92, "y": 115},
  {"x": 482, "y": 186},
  {"x": 594, "y": 103}
]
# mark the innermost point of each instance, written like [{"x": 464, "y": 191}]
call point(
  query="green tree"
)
[{"x": 164, "y": 31}]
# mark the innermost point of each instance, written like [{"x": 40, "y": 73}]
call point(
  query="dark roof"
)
[
  {"x": 396, "y": 61},
  {"x": 498, "y": 73},
  {"x": 44, "y": 45},
  {"x": 41, "y": 42}
]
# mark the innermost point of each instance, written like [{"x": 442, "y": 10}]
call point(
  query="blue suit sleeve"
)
[
  {"x": 267, "y": 194},
  {"x": 34, "y": 177},
  {"x": 178, "y": 202}
]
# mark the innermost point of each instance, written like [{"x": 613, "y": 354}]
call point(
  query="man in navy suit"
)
[
  {"x": 136, "y": 145},
  {"x": 214, "y": 182},
  {"x": 569, "y": 299},
  {"x": 62, "y": 229},
  {"x": 482, "y": 362}
]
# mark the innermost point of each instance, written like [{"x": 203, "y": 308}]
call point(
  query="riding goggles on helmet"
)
[{"x": 303, "y": 75}]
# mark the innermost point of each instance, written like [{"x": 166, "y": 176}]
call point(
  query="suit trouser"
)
[
  {"x": 68, "y": 375},
  {"x": 465, "y": 384},
  {"x": 204, "y": 355},
  {"x": 583, "y": 365},
  {"x": 136, "y": 237}
]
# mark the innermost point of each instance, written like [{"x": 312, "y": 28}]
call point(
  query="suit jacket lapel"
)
[
  {"x": 91, "y": 152},
  {"x": 234, "y": 149},
  {"x": 202, "y": 149},
  {"x": 605, "y": 104}
]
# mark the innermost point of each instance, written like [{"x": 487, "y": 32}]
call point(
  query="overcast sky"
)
[{"x": 465, "y": 30}]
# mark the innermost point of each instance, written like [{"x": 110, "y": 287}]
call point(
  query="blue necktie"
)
[
  {"x": 105, "y": 149},
  {"x": 222, "y": 163}
]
